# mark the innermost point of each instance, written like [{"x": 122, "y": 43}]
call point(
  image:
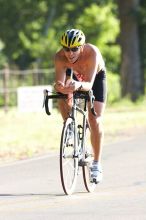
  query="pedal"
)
[{"x": 82, "y": 163}]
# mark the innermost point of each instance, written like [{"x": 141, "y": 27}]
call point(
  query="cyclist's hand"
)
[
  {"x": 72, "y": 86},
  {"x": 66, "y": 89},
  {"x": 58, "y": 86}
]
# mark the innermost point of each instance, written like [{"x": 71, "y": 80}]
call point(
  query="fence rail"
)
[
  {"x": 25, "y": 72},
  {"x": 10, "y": 80}
]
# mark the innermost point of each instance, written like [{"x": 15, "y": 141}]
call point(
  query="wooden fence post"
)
[
  {"x": 35, "y": 75},
  {"x": 6, "y": 87}
]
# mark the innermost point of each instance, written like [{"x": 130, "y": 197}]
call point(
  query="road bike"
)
[{"x": 75, "y": 147}]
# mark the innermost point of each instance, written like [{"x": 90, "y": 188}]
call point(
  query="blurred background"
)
[{"x": 30, "y": 32}]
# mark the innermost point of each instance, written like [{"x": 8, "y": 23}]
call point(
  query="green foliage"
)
[
  {"x": 114, "y": 94},
  {"x": 113, "y": 85},
  {"x": 38, "y": 25},
  {"x": 3, "y": 58},
  {"x": 102, "y": 31}
]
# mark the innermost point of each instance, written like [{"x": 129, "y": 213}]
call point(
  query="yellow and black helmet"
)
[{"x": 73, "y": 38}]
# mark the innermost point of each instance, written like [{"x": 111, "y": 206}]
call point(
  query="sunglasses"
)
[{"x": 74, "y": 49}]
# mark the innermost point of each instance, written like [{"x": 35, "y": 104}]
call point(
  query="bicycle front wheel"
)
[
  {"x": 68, "y": 158},
  {"x": 90, "y": 186}
]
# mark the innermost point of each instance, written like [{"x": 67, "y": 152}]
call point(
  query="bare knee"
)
[
  {"x": 96, "y": 125},
  {"x": 96, "y": 121}
]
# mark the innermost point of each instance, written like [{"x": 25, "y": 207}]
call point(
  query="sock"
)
[{"x": 95, "y": 162}]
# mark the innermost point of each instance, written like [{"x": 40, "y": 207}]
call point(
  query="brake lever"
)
[
  {"x": 45, "y": 95},
  {"x": 45, "y": 102},
  {"x": 92, "y": 98}
]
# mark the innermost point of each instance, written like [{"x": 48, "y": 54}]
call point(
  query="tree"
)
[
  {"x": 142, "y": 32},
  {"x": 99, "y": 31},
  {"x": 131, "y": 73},
  {"x": 31, "y": 29}
]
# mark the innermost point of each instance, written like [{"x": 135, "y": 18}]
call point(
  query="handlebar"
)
[
  {"x": 47, "y": 97},
  {"x": 88, "y": 95}
]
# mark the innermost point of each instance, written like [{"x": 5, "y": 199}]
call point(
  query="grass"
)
[
  {"x": 24, "y": 135},
  {"x": 125, "y": 119}
]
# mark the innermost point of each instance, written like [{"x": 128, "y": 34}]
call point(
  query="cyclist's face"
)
[{"x": 72, "y": 54}]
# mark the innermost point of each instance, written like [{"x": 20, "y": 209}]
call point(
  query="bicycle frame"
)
[
  {"x": 86, "y": 96},
  {"x": 83, "y": 112}
]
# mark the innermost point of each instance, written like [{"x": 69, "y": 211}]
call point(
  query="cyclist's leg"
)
[
  {"x": 97, "y": 133},
  {"x": 64, "y": 108}
]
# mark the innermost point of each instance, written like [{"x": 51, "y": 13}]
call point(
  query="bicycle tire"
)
[
  {"x": 90, "y": 186},
  {"x": 68, "y": 161}
]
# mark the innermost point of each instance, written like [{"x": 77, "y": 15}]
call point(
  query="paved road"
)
[{"x": 31, "y": 190}]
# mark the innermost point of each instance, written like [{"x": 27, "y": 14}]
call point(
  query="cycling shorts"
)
[{"x": 99, "y": 86}]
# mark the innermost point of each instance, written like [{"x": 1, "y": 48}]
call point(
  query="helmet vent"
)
[
  {"x": 73, "y": 40},
  {"x": 70, "y": 36},
  {"x": 72, "y": 32},
  {"x": 66, "y": 39}
]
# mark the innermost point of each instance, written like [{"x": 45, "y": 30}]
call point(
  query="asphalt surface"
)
[{"x": 31, "y": 189}]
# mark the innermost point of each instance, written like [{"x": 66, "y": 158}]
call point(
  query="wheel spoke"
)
[
  {"x": 68, "y": 164},
  {"x": 88, "y": 159}
]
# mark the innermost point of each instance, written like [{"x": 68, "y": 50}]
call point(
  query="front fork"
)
[
  {"x": 79, "y": 137},
  {"x": 82, "y": 143}
]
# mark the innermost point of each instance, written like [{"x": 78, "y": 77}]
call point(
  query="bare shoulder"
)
[
  {"x": 59, "y": 56},
  {"x": 92, "y": 49}
]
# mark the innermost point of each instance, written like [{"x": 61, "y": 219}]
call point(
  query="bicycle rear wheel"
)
[
  {"x": 90, "y": 186},
  {"x": 68, "y": 159}
]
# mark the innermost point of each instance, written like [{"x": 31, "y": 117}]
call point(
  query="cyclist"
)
[{"x": 89, "y": 73}]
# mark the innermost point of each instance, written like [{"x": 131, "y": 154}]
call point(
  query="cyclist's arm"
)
[
  {"x": 60, "y": 77},
  {"x": 59, "y": 74}
]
